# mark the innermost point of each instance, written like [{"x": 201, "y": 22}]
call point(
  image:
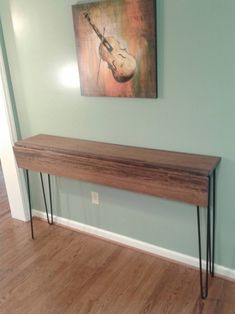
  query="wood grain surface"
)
[{"x": 171, "y": 175}]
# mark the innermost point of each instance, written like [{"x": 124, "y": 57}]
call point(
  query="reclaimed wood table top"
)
[{"x": 167, "y": 174}]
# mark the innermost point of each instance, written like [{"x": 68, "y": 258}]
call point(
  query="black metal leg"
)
[
  {"x": 212, "y": 222},
  {"x": 30, "y": 205},
  {"x": 49, "y": 185},
  {"x": 50, "y": 222},
  {"x": 209, "y": 224},
  {"x": 213, "y": 225},
  {"x": 210, "y": 238},
  {"x": 204, "y": 290}
]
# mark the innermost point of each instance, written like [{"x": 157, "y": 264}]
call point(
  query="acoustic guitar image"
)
[{"x": 120, "y": 62}]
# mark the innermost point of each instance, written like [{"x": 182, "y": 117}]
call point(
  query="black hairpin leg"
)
[
  {"x": 212, "y": 223},
  {"x": 210, "y": 239},
  {"x": 50, "y": 222},
  {"x": 30, "y": 205},
  {"x": 213, "y": 226},
  {"x": 204, "y": 290}
]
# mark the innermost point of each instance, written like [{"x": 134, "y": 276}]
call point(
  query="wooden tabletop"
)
[
  {"x": 193, "y": 163},
  {"x": 171, "y": 175}
]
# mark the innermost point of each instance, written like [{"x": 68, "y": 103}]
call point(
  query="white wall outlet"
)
[{"x": 95, "y": 198}]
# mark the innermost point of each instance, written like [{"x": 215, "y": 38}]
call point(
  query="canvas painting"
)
[{"x": 116, "y": 48}]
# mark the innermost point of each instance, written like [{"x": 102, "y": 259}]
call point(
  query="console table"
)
[{"x": 188, "y": 178}]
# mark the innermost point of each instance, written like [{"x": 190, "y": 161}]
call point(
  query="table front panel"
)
[{"x": 162, "y": 182}]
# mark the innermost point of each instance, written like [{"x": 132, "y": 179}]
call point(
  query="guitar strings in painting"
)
[{"x": 116, "y": 48}]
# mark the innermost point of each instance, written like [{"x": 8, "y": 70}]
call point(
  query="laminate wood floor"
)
[{"x": 64, "y": 271}]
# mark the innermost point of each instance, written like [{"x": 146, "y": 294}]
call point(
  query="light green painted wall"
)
[
  {"x": 194, "y": 113},
  {"x": 9, "y": 81}
]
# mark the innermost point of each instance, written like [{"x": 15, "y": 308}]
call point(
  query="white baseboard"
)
[{"x": 140, "y": 245}]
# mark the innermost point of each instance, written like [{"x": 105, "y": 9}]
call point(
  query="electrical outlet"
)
[{"x": 95, "y": 198}]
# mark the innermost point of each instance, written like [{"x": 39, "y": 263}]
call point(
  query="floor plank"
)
[{"x": 64, "y": 271}]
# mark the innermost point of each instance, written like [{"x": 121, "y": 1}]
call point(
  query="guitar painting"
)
[{"x": 116, "y": 48}]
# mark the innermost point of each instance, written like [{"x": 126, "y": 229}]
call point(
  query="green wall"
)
[{"x": 194, "y": 113}]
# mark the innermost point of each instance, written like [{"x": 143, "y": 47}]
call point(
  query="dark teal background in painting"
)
[{"x": 194, "y": 113}]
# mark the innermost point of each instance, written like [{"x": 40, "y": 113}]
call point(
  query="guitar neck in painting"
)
[{"x": 98, "y": 33}]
